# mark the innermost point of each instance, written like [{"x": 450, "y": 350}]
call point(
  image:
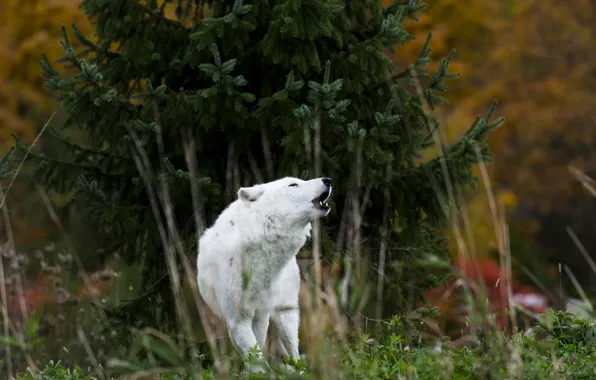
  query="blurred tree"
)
[
  {"x": 26, "y": 28},
  {"x": 545, "y": 61},
  {"x": 461, "y": 24},
  {"x": 256, "y": 86},
  {"x": 537, "y": 58},
  {"x": 544, "y": 57}
]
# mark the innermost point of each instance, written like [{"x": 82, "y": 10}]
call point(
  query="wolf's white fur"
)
[{"x": 247, "y": 269}]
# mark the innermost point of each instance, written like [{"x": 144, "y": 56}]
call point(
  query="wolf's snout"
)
[{"x": 327, "y": 181}]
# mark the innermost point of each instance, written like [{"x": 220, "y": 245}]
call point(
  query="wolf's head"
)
[{"x": 302, "y": 201}]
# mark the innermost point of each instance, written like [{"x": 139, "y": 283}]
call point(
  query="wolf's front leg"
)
[
  {"x": 244, "y": 339},
  {"x": 242, "y": 336},
  {"x": 260, "y": 324}
]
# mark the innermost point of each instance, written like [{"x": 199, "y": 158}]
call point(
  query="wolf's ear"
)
[{"x": 250, "y": 194}]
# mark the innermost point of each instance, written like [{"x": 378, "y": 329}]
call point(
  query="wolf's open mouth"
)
[{"x": 320, "y": 202}]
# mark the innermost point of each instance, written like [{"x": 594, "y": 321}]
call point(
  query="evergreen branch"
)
[
  {"x": 463, "y": 154},
  {"x": 424, "y": 56},
  {"x": 392, "y": 30},
  {"x": 158, "y": 14},
  {"x": 43, "y": 157},
  {"x": 83, "y": 149},
  {"x": 417, "y": 69},
  {"x": 92, "y": 46},
  {"x": 412, "y": 8},
  {"x": 5, "y": 171},
  {"x": 94, "y": 191},
  {"x": 90, "y": 74},
  {"x": 437, "y": 85},
  {"x": 487, "y": 126}
]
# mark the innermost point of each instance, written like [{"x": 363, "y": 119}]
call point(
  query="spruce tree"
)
[{"x": 256, "y": 90}]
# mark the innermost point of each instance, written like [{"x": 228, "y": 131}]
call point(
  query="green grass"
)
[
  {"x": 56, "y": 371},
  {"x": 561, "y": 346}
]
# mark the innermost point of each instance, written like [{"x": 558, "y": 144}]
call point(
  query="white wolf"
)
[{"x": 247, "y": 269}]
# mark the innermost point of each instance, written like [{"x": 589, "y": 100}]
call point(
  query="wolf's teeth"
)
[{"x": 320, "y": 203}]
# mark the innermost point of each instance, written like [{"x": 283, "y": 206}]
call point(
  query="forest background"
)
[{"x": 536, "y": 58}]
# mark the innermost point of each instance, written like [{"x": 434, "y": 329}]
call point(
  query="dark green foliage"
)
[
  {"x": 248, "y": 83},
  {"x": 5, "y": 169},
  {"x": 568, "y": 329}
]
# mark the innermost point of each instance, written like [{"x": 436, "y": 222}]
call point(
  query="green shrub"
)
[{"x": 56, "y": 371}]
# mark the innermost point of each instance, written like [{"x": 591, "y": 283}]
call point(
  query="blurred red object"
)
[
  {"x": 486, "y": 275},
  {"x": 48, "y": 291}
]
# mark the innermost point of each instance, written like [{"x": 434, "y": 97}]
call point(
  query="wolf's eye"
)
[{"x": 293, "y": 184}]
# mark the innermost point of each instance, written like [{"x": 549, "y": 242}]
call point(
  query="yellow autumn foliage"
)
[
  {"x": 536, "y": 58},
  {"x": 28, "y": 28}
]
